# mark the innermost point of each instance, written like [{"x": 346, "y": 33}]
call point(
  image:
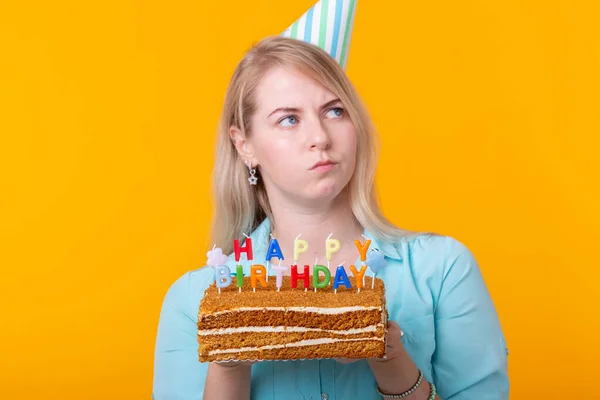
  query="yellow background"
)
[{"x": 488, "y": 113}]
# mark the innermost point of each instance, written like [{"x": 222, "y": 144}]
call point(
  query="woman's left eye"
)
[{"x": 335, "y": 112}]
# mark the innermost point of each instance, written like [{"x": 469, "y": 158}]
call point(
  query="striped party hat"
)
[{"x": 328, "y": 24}]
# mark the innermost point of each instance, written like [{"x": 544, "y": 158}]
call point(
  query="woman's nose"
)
[{"x": 318, "y": 137}]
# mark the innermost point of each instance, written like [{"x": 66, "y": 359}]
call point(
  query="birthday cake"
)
[{"x": 281, "y": 322}]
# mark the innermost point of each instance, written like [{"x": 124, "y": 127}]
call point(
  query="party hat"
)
[{"x": 328, "y": 24}]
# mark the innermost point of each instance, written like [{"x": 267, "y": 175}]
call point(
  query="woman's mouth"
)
[{"x": 323, "y": 166}]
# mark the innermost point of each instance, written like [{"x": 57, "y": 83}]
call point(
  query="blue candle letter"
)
[
  {"x": 223, "y": 277},
  {"x": 274, "y": 250},
  {"x": 341, "y": 278}
]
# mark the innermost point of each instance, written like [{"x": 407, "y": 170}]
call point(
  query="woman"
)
[{"x": 296, "y": 153}]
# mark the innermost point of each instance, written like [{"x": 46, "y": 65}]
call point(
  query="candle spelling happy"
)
[
  {"x": 362, "y": 250},
  {"x": 300, "y": 246},
  {"x": 273, "y": 251},
  {"x": 331, "y": 246}
]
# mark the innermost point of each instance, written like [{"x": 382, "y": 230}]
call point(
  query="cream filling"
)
[
  {"x": 318, "y": 310},
  {"x": 271, "y": 329},
  {"x": 301, "y": 343}
]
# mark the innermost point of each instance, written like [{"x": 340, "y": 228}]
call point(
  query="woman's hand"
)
[
  {"x": 221, "y": 374},
  {"x": 393, "y": 345}
]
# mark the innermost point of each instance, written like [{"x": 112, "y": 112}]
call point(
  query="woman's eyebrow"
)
[
  {"x": 330, "y": 103},
  {"x": 296, "y": 110},
  {"x": 284, "y": 109}
]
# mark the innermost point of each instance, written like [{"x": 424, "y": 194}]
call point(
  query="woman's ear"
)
[{"x": 242, "y": 145}]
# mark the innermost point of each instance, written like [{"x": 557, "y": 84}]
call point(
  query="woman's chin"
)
[{"x": 325, "y": 192}]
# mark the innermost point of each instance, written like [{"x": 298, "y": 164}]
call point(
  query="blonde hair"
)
[{"x": 240, "y": 207}]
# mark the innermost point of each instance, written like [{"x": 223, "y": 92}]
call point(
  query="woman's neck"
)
[{"x": 315, "y": 224}]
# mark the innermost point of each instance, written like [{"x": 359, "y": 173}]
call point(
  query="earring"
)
[{"x": 253, "y": 179}]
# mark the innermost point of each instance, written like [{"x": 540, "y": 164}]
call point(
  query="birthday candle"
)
[
  {"x": 279, "y": 270},
  {"x": 239, "y": 278},
  {"x": 257, "y": 273},
  {"x": 300, "y": 246},
  {"x": 215, "y": 257},
  {"x": 304, "y": 276},
  {"x": 375, "y": 261},
  {"x": 362, "y": 248},
  {"x": 358, "y": 275},
  {"x": 341, "y": 278},
  {"x": 247, "y": 248},
  {"x": 327, "y": 277},
  {"x": 223, "y": 277},
  {"x": 331, "y": 246},
  {"x": 273, "y": 251}
]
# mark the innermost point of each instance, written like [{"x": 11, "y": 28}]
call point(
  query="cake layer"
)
[
  {"x": 259, "y": 339},
  {"x": 319, "y": 348},
  {"x": 230, "y": 298},
  {"x": 275, "y": 329},
  {"x": 264, "y": 317}
]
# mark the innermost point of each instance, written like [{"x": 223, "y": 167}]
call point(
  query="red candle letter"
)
[
  {"x": 295, "y": 276},
  {"x": 247, "y": 248}
]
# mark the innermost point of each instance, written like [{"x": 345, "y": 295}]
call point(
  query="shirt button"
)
[{"x": 324, "y": 396}]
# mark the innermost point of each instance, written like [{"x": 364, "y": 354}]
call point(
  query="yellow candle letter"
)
[
  {"x": 300, "y": 246},
  {"x": 331, "y": 246}
]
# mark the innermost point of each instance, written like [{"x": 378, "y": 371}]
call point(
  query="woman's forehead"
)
[{"x": 288, "y": 87}]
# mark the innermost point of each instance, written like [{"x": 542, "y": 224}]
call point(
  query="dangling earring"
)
[{"x": 253, "y": 179}]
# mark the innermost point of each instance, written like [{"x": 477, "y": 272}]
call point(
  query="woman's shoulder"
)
[
  {"x": 186, "y": 292},
  {"x": 434, "y": 254},
  {"x": 433, "y": 245}
]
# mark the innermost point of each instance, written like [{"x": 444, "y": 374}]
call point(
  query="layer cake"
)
[{"x": 292, "y": 323}]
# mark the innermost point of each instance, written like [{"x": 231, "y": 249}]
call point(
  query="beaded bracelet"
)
[
  {"x": 407, "y": 393},
  {"x": 432, "y": 391}
]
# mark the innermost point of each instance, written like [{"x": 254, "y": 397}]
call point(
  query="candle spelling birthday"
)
[{"x": 371, "y": 260}]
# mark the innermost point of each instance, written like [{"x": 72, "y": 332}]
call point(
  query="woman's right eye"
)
[{"x": 288, "y": 121}]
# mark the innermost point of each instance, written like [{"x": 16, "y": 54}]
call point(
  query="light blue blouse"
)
[{"x": 434, "y": 291}]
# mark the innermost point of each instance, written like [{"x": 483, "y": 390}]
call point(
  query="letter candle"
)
[
  {"x": 327, "y": 275},
  {"x": 300, "y": 246},
  {"x": 295, "y": 276},
  {"x": 362, "y": 250},
  {"x": 239, "y": 277},
  {"x": 223, "y": 277},
  {"x": 331, "y": 246},
  {"x": 247, "y": 248},
  {"x": 359, "y": 275},
  {"x": 279, "y": 270},
  {"x": 341, "y": 278},
  {"x": 273, "y": 251},
  {"x": 257, "y": 273}
]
